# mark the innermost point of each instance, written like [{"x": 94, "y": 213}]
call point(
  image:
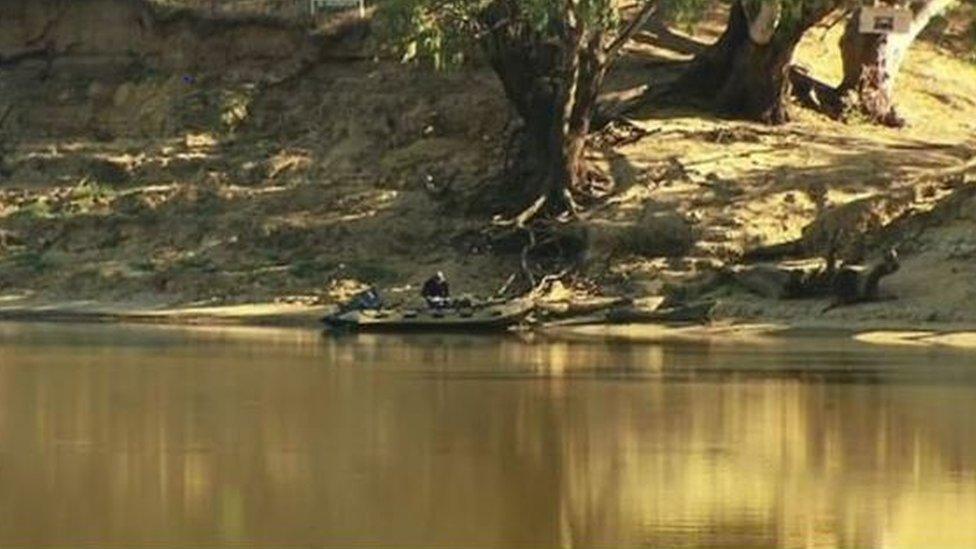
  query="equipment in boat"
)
[{"x": 474, "y": 318}]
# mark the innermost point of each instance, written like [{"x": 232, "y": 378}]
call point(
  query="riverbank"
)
[
  {"x": 301, "y": 316},
  {"x": 261, "y": 189},
  {"x": 256, "y": 314}
]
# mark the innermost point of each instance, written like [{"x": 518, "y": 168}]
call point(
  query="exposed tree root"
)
[
  {"x": 524, "y": 256},
  {"x": 506, "y": 286},
  {"x": 521, "y": 223},
  {"x": 538, "y": 290},
  {"x": 537, "y": 232},
  {"x": 526, "y": 215}
]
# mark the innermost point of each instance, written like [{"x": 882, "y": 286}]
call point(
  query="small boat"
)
[{"x": 476, "y": 318}]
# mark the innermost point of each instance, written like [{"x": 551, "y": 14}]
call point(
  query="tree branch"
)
[
  {"x": 523, "y": 218},
  {"x": 628, "y": 32}
]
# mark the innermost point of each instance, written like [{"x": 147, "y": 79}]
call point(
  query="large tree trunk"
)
[
  {"x": 872, "y": 61},
  {"x": 556, "y": 122},
  {"x": 743, "y": 77},
  {"x": 553, "y": 78},
  {"x": 554, "y": 88},
  {"x": 746, "y": 71},
  {"x": 551, "y": 161}
]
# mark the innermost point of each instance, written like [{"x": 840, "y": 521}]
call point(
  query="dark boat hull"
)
[{"x": 484, "y": 319}]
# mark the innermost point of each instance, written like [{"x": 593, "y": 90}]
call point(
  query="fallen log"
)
[
  {"x": 699, "y": 312},
  {"x": 854, "y": 285},
  {"x": 568, "y": 309},
  {"x": 694, "y": 312}
]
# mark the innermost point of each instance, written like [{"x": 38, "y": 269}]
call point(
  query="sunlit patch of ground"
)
[
  {"x": 962, "y": 340},
  {"x": 370, "y": 172},
  {"x": 746, "y": 185},
  {"x": 753, "y": 334}
]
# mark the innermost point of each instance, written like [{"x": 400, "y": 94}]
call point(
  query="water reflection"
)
[{"x": 138, "y": 435}]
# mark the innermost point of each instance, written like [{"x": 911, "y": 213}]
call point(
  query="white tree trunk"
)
[
  {"x": 897, "y": 44},
  {"x": 762, "y": 26},
  {"x": 872, "y": 61}
]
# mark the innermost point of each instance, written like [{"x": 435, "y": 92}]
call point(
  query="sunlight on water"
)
[{"x": 129, "y": 435}]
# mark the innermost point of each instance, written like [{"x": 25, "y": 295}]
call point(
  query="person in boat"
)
[
  {"x": 436, "y": 291},
  {"x": 368, "y": 299}
]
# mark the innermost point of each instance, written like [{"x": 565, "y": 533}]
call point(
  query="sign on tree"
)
[
  {"x": 317, "y": 6},
  {"x": 884, "y": 20}
]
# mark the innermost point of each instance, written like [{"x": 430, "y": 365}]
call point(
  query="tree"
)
[
  {"x": 746, "y": 72},
  {"x": 551, "y": 57},
  {"x": 872, "y": 61}
]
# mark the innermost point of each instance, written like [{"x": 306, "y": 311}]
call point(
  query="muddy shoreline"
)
[
  {"x": 959, "y": 335},
  {"x": 285, "y": 176}
]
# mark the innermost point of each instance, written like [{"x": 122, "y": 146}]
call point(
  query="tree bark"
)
[
  {"x": 553, "y": 79},
  {"x": 746, "y": 73},
  {"x": 553, "y": 86},
  {"x": 872, "y": 61},
  {"x": 556, "y": 123}
]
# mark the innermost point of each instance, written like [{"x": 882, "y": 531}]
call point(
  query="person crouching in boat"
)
[
  {"x": 436, "y": 291},
  {"x": 365, "y": 300}
]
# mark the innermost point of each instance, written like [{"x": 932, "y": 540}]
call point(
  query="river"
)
[{"x": 136, "y": 435}]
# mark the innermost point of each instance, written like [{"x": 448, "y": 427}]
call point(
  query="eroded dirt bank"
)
[{"x": 153, "y": 161}]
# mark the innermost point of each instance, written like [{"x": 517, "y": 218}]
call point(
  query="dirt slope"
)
[{"x": 191, "y": 161}]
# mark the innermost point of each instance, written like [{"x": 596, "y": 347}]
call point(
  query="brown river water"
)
[{"x": 135, "y": 436}]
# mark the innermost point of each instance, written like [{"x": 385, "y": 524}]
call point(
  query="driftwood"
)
[
  {"x": 571, "y": 309},
  {"x": 846, "y": 284},
  {"x": 861, "y": 285},
  {"x": 695, "y": 312}
]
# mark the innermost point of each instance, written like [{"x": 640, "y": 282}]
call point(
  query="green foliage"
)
[
  {"x": 88, "y": 194},
  {"x": 444, "y": 32},
  {"x": 423, "y": 29}
]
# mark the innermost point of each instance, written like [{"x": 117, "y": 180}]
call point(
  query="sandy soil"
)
[{"x": 146, "y": 184}]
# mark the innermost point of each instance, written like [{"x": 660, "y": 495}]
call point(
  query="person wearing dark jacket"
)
[
  {"x": 368, "y": 299},
  {"x": 436, "y": 290}
]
